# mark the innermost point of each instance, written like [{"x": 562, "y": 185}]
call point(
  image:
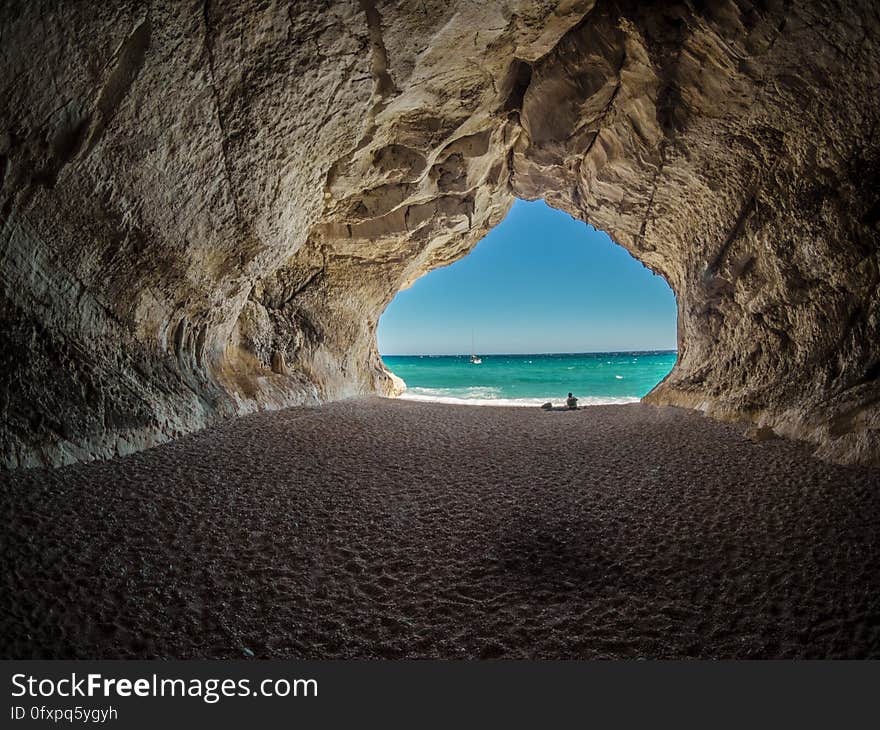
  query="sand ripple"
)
[{"x": 401, "y": 529}]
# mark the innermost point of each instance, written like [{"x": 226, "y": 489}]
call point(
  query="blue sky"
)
[{"x": 540, "y": 281}]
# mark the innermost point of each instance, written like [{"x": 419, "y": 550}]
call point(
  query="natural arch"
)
[{"x": 205, "y": 210}]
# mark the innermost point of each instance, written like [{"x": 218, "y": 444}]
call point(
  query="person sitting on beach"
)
[{"x": 571, "y": 402}]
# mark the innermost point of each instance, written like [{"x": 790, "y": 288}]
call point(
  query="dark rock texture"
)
[{"x": 204, "y": 208}]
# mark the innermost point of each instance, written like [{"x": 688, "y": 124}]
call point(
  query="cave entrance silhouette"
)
[{"x": 546, "y": 304}]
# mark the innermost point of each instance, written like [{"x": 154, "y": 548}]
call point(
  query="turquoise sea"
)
[{"x": 528, "y": 380}]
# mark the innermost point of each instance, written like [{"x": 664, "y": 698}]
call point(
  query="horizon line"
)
[{"x": 507, "y": 354}]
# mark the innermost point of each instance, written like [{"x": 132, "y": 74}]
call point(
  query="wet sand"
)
[{"x": 398, "y": 529}]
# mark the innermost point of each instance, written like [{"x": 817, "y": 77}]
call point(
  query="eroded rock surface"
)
[{"x": 205, "y": 207}]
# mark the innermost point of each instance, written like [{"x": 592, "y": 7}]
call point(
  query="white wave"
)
[
  {"x": 472, "y": 391},
  {"x": 429, "y": 397}
]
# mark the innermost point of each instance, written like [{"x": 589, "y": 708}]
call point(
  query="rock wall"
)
[{"x": 205, "y": 207}]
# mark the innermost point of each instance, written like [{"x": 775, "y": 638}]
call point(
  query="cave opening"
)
[{"x": 544, "y": 305}]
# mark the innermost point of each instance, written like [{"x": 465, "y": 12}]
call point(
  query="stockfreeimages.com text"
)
[{"x": 209, "y": 690}]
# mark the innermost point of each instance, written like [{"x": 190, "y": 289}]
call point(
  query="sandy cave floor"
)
[{"x": 380, "y": 528}]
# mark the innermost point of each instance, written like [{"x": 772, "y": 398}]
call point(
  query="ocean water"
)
[{"x": 528, "y": 380}]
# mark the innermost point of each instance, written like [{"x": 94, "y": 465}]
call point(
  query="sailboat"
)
[{"x": 475, "y": 360}]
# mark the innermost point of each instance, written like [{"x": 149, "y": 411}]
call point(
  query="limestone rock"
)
[
  {"x": 204, "y": 208},
  {"x": 396, "y": 385},
  {"x": 278, "y": 364}
]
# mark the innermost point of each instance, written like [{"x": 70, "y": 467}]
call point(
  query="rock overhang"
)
[{"x": 205, "y": 209}]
